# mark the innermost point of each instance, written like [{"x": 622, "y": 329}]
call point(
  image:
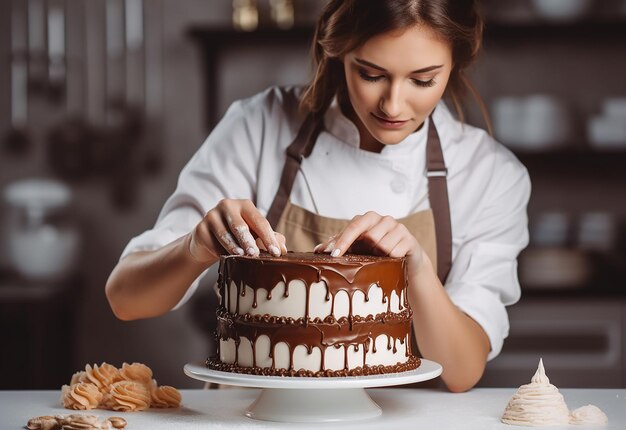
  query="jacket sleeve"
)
[{"x": 483, "y": 278}]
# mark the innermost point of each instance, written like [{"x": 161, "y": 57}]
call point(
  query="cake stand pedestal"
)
[{"x": 307, "y": 400}]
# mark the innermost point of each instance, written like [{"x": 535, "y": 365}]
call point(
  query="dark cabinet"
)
[{"x": 38, "y": 321}]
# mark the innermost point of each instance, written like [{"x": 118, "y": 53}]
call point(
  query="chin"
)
[{"x": 391, "y": 138}]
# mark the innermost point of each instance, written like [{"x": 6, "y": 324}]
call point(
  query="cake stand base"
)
[
  {"x": 307, "y": 406},
  {"x": 309, "y": 400}
]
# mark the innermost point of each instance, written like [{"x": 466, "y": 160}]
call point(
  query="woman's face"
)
[{"x": 394, "y": 82}]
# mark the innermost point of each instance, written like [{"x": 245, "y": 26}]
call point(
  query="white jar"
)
[
  {"x": 43, "y": 239},
  {"x": 561, "y": 10}
]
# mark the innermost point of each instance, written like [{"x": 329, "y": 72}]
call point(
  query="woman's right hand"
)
[{"x": 234, "y": 227}]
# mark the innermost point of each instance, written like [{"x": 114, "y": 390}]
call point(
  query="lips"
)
[{"x": 386, "y": 123}]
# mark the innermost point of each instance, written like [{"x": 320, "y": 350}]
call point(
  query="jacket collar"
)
[{"x": 449, "y": 129}]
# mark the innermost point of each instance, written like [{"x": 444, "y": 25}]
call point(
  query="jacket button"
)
[{"x": 398, "y": 185}]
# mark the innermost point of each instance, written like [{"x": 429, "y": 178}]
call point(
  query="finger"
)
[
  {"x": 261, "y": 226},
  {"x": 369, "y": 240},
  {"x": 260, "y": 244},
  {"x": 227, "y": 240},
  {"x": 281, "y": 246},
  {"x": 239, "y": 229},
  {"x": 326, "y": 246},
  {"x": 216, "y": 228},
  {"x": 282, "y": 242},
  {"x": 353, "y": 230},
  {"x": 401, "y": 249},
  {"x": 390, "y": 240}
]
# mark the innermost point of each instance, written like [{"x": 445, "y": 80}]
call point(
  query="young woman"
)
[{"x": 366, "y": 158}]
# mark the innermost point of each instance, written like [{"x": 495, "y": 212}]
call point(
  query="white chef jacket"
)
[{"x": 488, "y": 190}]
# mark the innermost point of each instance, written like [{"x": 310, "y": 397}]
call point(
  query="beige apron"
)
[{"x": 304, "y": 229}]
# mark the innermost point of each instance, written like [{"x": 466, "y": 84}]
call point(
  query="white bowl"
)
[{"x": 561, "y": 10}]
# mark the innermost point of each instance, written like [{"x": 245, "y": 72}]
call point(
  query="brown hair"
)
[{"x": 346, "y": 24}]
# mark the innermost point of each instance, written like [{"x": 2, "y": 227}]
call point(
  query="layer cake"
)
[{"x": 306, "y": 314}]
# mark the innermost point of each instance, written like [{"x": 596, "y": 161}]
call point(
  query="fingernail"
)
[
  {"x": 317, "y": 247},
  {"x": 239, "y": 251},
  {"x": 335, "y": 252},
  {"x": 250, "y": 251},
  {"x": 274, "y": 250},
  {"x": 284, "y": 248}
]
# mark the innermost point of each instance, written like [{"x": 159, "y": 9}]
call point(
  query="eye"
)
[
  {"x": 367, "y": 77},
  {"x": 428, "y": 83}
]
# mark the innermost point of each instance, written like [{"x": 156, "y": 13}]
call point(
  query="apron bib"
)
[{"x": 304, "y": 229}]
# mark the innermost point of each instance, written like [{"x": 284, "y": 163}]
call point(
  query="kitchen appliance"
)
[{"x": 42, "y": 234}]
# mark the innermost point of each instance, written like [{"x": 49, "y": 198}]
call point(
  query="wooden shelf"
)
[
  {"x": 601, "y": 162},
  {"x": 565, "y": 292},
  {"x": 585, "y": 31},
  {"x": 219, "y": 37},
  {"x": 213, "y": 41}
]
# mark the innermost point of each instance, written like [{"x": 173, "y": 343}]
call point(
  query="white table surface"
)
[{"x": 403, "y": 408}]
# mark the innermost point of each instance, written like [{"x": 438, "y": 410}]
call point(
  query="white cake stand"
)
[{"x": 306, "y": 400}]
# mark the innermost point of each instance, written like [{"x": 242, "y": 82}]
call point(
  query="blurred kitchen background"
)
[{"x": 102, "y": 102}]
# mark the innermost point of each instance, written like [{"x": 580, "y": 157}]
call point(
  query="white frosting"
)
[
  {"x": 588, "y": 415},
  {"x": 334, "y": 358},
  {"x": 537, "y": 404},
  {"x": 294, "y": 305}
]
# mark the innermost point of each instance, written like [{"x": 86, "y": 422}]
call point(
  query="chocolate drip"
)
[
  {"x": 350, "y": 273},
  {"x": 315, "y": 335},
  {"x": 411, "y": 363}
]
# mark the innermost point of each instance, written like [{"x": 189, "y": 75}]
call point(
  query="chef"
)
[{"x": 366, "y": 158}]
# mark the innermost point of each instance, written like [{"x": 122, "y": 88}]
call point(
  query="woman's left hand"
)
[{"x": 375, "y": 234}]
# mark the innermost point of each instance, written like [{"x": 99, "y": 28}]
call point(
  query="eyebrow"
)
[{"x": 382, "y": 69}]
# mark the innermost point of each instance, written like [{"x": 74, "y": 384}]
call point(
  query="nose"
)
[{"x": 391, "y": 101}]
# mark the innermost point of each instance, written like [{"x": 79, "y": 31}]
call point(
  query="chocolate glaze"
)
[
  {"x": 412, "y": 363},
  {"x": 350, "y": 273}
]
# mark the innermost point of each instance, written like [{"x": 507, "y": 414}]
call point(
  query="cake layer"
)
[
  {"x": 289, "y": 346},
  {"x": 411, "y": 364},
  {"x": 290, "y": 300},
  {"x": 309, "y": 286}
]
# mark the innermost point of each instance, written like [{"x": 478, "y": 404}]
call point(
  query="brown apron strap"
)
[
  {"x": 437, "y": 172},
  {"x": 300, "y": 148}
]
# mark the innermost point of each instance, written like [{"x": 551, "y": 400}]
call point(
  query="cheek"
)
[
  {"x": 362, "y": 94},
  {"x": 425, "y": 101}
]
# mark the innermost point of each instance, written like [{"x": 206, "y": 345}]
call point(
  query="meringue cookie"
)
[
  {"x": 537, "y": 404},
  {"x": 588, "y": 415}
]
